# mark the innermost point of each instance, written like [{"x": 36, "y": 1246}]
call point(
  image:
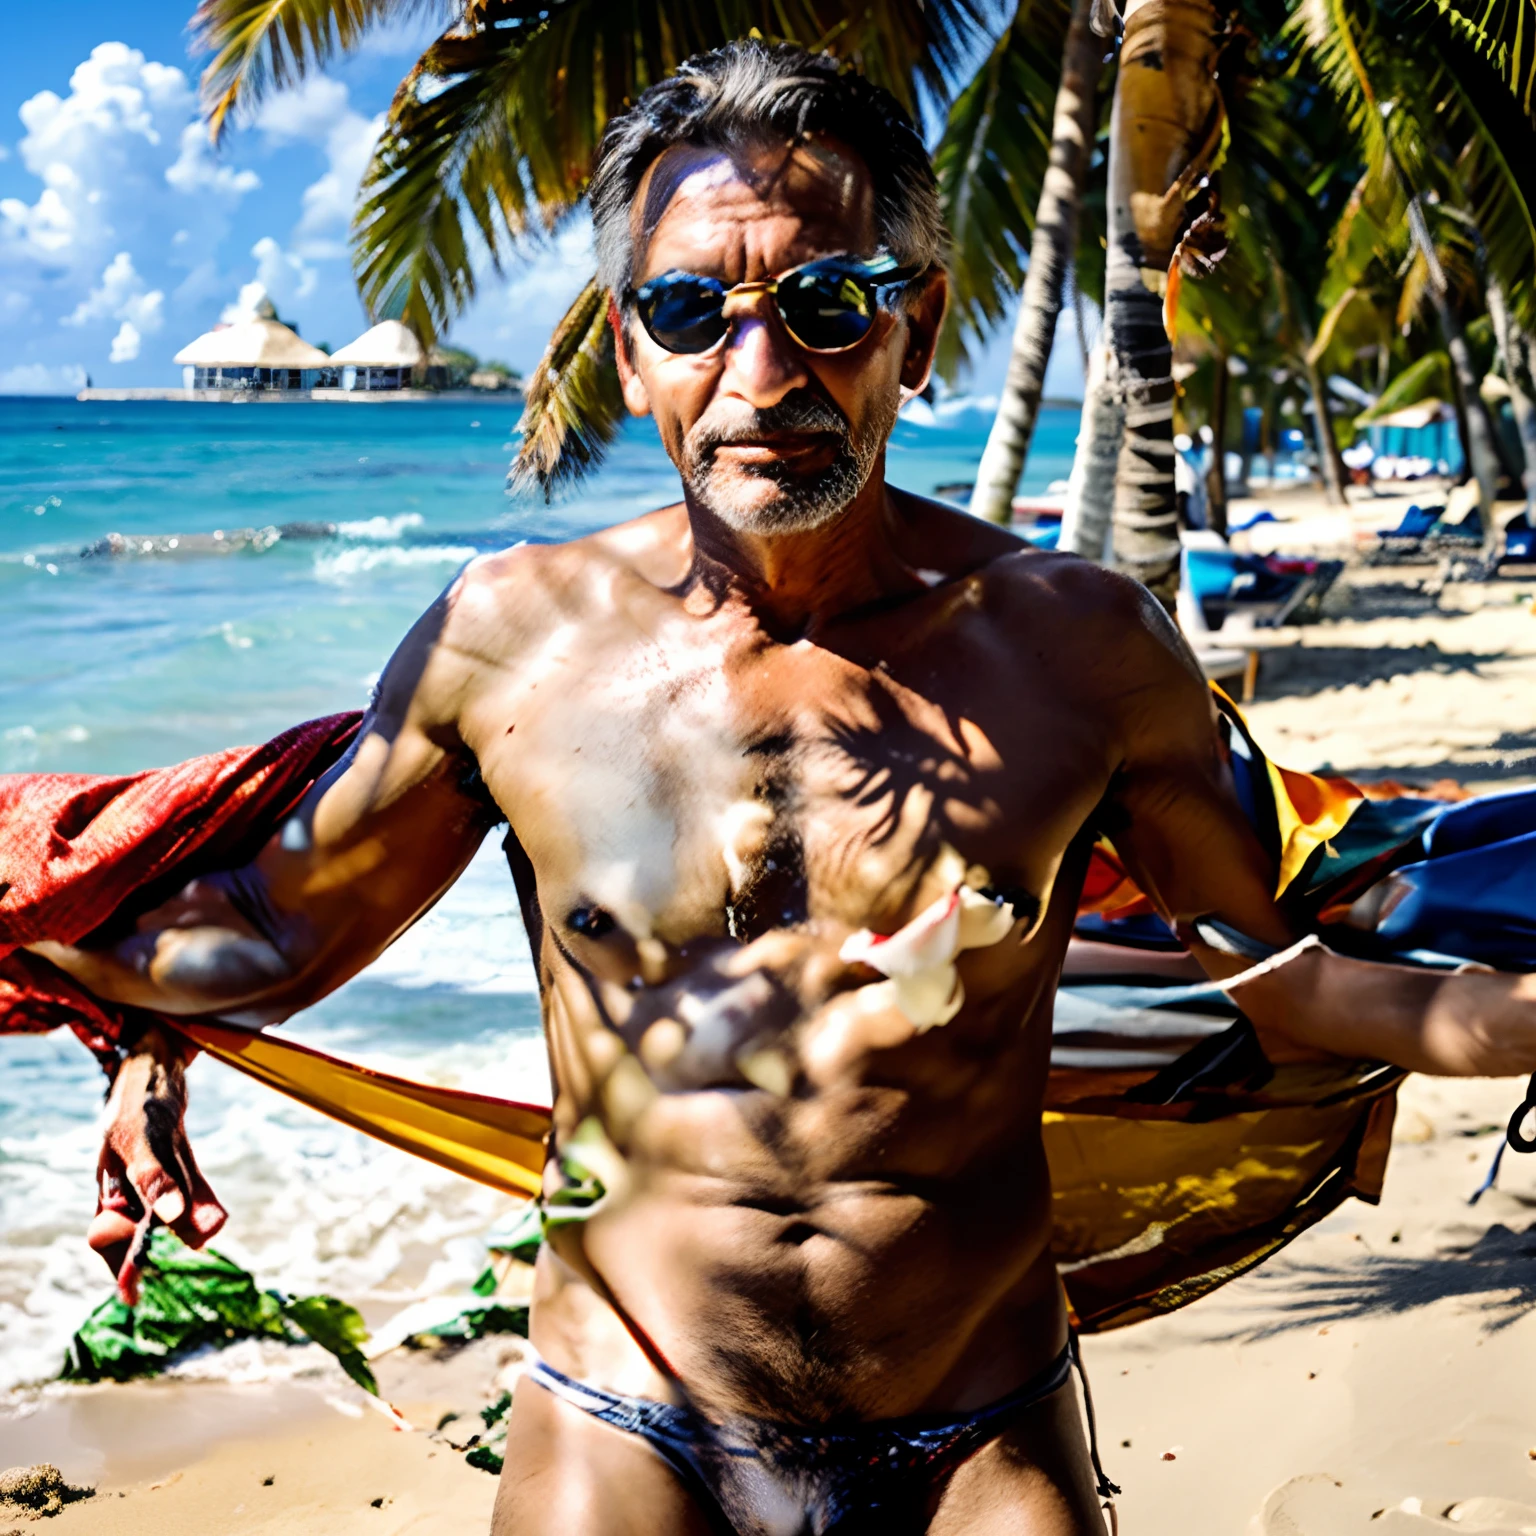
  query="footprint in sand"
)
[{"x": 1317, "y": 1505}]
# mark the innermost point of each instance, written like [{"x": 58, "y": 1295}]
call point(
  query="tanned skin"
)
[{"x": 720, "y": 752}]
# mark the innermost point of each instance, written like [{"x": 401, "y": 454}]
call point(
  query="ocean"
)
[{"x": 113, "y": 664}]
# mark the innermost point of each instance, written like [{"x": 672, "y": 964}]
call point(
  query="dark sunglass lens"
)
[
  {"x": 825, "y": 309},
  {"x": 683, "y": 313}
]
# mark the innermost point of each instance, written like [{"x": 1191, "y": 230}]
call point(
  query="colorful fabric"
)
[
  {"x": 1179, "y": 1156},
  {"x": 78, "y": 852}
]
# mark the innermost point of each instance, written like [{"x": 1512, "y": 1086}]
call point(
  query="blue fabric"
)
[
  {"x": 1478, "y": 903},
  {"x": 1478, "y": 823},
  {"x": 1520, "y": 540}
]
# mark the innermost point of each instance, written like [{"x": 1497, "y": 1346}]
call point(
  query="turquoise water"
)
[
  {"x": 114, "y": 664},
  {"x": 108, "y": 665}
]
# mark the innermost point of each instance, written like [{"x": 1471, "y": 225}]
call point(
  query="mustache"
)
[{"x": 798, "y": 411}]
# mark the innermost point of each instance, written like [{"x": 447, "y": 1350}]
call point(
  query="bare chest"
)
[{"x": 686, "y": 785}]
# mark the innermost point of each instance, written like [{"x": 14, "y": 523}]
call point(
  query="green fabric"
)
[{"x": 188, "y": 1299}]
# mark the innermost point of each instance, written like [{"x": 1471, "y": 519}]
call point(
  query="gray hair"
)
[{"x": 749, "y": 92}]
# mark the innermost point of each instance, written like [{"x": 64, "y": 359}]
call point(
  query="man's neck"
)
[{"x": 795, "y": 582}]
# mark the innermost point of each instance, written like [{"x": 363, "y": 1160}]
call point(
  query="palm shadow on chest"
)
[{"x": 702, "y": 834}]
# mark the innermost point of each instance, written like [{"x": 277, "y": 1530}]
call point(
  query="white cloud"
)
[
  {"x": 101, "y": 153},
  {"x": 245, "y": 307},
  {"x": 196, "y": 169},
  {"x": 46, "y": 226},
  {"x": 319, "y": 112},
  {"x": 121, "y": 296},
  {"x": 329, "y": 202},
  {"x": 131, "y": 205},
  {"x": 125, "y": 345},
  {"x": 287, "y": 277},
  {"x": 39, "y": 379},
  {"x": 309, "y": 111}
]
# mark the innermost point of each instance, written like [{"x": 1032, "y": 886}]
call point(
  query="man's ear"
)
[
  {"x": 635, "y": 396},
  {"x": 925, "y": 319}
]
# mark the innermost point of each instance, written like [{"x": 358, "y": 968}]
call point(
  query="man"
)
[{"x": 801, "y": 777}]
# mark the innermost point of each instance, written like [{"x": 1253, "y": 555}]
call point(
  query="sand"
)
[
  {"x": 313, "y": 1455},
  {"x": 1377, "y": 1377}
]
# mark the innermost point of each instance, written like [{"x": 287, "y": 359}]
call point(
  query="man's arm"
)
[
  {"x": 1175, "y": 819},
  {"x": 373, "y": 845}
]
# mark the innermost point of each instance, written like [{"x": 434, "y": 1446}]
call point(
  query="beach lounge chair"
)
[
  {"x": 1268, "y": 590},
  {"x": 1407, "y": 539},
  {"x": 1242, "y": 525},
  {"x": 1519, "y": 543}
]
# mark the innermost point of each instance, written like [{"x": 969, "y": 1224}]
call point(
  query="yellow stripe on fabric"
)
[
  {"x": 1311, "y": 811},
  {"x": 491, "y": 1141}
]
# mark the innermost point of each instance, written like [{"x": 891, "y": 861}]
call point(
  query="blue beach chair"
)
[
  {"x": 1519, "y": 543},
  {"x": 1266, "y": 588},
  {"x": 1407, "y": 539}
]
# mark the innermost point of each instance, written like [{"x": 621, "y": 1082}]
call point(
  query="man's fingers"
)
[
  {"x": 156, "y": 1185},
  {"x": 204, "y": 1214},
  {"x": 170, "y": 1207},
  {"x": 111, "y": 1235},
  {"x": 129, "y": 1271}
]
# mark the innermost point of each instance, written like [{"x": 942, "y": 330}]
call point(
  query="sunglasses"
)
[{"x": 826, "y": 306}]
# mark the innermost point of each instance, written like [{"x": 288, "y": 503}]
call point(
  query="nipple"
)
[{"x": 592, "y": 922}]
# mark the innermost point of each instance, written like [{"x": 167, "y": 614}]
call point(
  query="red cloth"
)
[{"x": 74, "y": 848}]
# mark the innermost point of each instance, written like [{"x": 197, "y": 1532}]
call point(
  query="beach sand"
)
[{"x": 1376, "y": 1375}]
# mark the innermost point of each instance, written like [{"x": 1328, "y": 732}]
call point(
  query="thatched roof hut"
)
[
  {"x": 260, "y": 342},
  {"x": 389, "y": 344}
]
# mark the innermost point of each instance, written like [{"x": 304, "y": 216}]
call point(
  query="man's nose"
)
[{"x": 762, "y": 364}]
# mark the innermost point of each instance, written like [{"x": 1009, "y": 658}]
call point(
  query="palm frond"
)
[
  {"x": 260, "y": 45},
  {"x": 1503, "y": 33},
  {"x": 1497, "y": 168},
  {"x": 991, "y": 164},
  {"x": 1429, "y": 378},
  {"x": 574, "y": 403},
  {"x": 490, "y": 139}
]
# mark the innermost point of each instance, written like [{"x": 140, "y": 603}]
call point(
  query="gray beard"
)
[{"x": 805, "y": 501}]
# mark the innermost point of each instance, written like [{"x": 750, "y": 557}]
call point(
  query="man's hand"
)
[{"x": 146, "y": 1171}]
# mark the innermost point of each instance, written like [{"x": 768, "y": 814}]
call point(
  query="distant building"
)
[
  {"x": 256, "y": 355},
  {"x": 386, "y": 357}
]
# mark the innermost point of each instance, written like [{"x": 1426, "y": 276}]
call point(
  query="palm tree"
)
[
  {"x": 1051, "y": 234},
  {"x": 1165, "y": 132},
  {"x": 490, "y": 138}
]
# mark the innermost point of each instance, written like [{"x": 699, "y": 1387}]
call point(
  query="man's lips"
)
[{"x": 778, "y": 446}]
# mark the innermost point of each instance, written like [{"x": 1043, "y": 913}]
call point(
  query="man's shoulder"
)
[
  {"x": 1026, "y": 584},
  {"x": 520, "y": 591}
]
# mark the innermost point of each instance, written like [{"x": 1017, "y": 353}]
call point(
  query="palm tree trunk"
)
[
  {"x": 1163, "y": 131},
  {"x": 1085, "y": 523},
  {"x": 1328, "y": 462},
  {"x": 1052, "y": 247},
  {"x": 1515, "y": 349},
  {"x": 1216, "y": 475},
  {"x": 1471, "y": 413}
]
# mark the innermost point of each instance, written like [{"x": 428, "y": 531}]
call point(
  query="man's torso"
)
[{"x": 815, "y": 1206}]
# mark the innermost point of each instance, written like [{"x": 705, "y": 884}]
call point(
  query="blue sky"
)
[{"x": 123, "y": 234}]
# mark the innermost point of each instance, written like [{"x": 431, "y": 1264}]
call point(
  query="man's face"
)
[{"x": 768, "y": 436}]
